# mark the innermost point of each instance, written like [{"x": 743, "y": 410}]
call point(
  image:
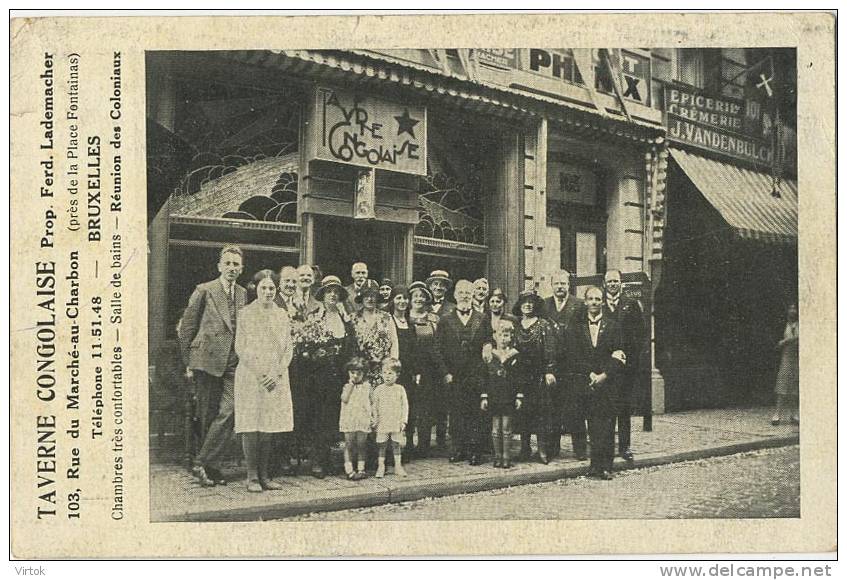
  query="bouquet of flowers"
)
[
  {"x": 374, "y": 343},
  {"x": 313, "y": 340}
]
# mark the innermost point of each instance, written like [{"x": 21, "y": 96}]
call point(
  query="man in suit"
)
[
  {"x": 439, "y": 283},
  {"x": 561, "y": 308},
  {"x": 480, "y": 295},
  {"x": 595, "y": 361},
  {"x": 287, "y": 290},
  {"x": 459, "y": 338},
  {"x": 359, "y": 274},
  {"x": 305, "y": 300},
  {"x": 627, "y": 313},
  {"x": 206, "y": 336}
]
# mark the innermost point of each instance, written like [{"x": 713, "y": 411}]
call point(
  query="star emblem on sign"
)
[{"x": 406, "y": 124}]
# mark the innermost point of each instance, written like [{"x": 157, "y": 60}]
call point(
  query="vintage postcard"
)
[{"x": 289, "y": 285}]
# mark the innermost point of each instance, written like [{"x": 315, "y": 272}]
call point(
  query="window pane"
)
[
  {"x": 586, "y": 253},
  {"x": 690, "y": 66},
  {"x": 552, "y": 250}
]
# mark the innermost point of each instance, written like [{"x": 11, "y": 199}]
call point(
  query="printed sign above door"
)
[{"x": 361, "y": 130}]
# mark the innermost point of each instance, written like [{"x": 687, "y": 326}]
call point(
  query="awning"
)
[{"x": 744, "y": 197}]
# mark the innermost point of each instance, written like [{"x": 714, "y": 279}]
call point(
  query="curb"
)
[{"x": 412, "y": 490}]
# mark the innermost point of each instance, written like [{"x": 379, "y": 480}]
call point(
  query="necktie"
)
[
  {"x": 463, "y": 312},
  {"x": 231, "y": 300}
]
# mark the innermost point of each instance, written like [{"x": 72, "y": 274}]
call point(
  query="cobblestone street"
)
[{"x": 757, "y": 484}]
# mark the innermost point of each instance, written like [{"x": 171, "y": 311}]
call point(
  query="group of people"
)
[{"x": 293, "y": 366}]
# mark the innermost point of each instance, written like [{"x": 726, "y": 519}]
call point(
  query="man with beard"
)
[
  {"x": 207, "y": 335},
  {"x": 459, "y": 337},
  {"x": 561, "y": 308}
]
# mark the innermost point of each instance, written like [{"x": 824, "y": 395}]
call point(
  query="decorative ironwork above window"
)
[
  {"x": 451, "y": 199},
  {"x": 245, "y": 160}
]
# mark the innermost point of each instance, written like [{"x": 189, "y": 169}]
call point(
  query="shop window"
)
[{"x": 690, "y": 67}]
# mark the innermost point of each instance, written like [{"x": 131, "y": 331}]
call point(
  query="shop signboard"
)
[
  {"x": 545, "y": 70},
  {"x": 348, "y": 127},
  {"x": 732, "y": 127}
]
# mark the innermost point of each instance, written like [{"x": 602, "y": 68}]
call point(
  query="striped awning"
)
[{"x": 745, "y": 198}]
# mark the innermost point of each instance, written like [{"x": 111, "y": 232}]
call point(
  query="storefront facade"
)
[
  {"x": 729, "y": 245},
  {"x": 484, "y": 163}
]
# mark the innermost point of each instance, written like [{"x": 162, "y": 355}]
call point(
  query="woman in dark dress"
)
[
  {"x": 398, "y": 305},
  {"x": 535, "y": 340},
  {"x": 325, "y": 343},
  {"x": 425, "y": 365}
]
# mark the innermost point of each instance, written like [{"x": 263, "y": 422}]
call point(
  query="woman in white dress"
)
[{"x": 262, "y": 392}]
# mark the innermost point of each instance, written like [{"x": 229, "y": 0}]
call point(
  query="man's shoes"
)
[
  {"x": 775, "y": 420},
  {"x": 200, "y": 473},
  {"x": 318, "y": 472},
  {"x": 606, "y": 476},
  {"x": 457, "y": 457},
  {"x": 507, "y": 464},
  {"x": 795, "y": 420},
  {"x": 582, "y": 457},
  {"x": 270, "y": 484},
  {"x": 253, "y": 486},
  {"x": 627, "y": 455},
  {"x": 498, "y": 463},
  {"x": 475, "y": 460},
  {"x": 215, "y": 475}
]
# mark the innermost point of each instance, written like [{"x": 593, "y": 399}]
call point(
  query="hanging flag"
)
[
  {"x": 440, "y": 57},
  {"x": 584, "y": 60},
  {"x": 613, "y": 62},
  {"x": 469, "y": 62}
]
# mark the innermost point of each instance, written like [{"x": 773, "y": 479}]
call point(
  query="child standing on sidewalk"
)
[
  {"x": 501, "y": 396},
  {"x": 390, "y": 415},
  {"x": 355, "y": 418}
]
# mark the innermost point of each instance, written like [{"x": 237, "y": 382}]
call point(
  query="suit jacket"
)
[
  {"x": 563, "y": 319},
  {"x": 630, "y": 320},
  {"x": 573, "y": 307},
  {"x": 460, "y": 346},
  {"x": 350, "y": 306},
  {"x": 584, "y": 359},
  {"x": 446, "y": 308},
  {"x": 206, "y": 333}
]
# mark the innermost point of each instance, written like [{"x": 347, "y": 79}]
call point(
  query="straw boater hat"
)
[
  {"x": 440, "y": 275},
  {"x": 331, "y": 282},
  {"x": 528, "y": 296},
  {"x": 422, "y": 287},
  {"x": 369, "y": 287}
]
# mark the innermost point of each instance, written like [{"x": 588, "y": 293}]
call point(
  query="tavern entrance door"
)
[{"x": 340, "y": 242}]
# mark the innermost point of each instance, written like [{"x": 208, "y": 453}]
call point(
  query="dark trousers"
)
[
  {"x": 216, "y": 408},
  {"x": 322, "y": 406},
  {"x": 601, "y": 432},
  {"x": 422, "y": 401},
  {"x": 465, "y": 421},
  {"x": 624, "y": 410}
]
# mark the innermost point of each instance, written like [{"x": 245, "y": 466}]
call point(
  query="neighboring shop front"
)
[{"x": 730, "y": 243}]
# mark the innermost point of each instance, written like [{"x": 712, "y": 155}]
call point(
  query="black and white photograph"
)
[{"x": 472, "y": 284}]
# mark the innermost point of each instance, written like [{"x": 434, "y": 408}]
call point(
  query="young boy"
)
[{"x": 390, "y": 408}]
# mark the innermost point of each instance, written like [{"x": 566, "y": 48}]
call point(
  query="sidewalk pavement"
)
[{"x": 176, "y": 496}]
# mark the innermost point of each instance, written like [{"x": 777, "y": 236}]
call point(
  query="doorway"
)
[{"x": 341, "y": 242}]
